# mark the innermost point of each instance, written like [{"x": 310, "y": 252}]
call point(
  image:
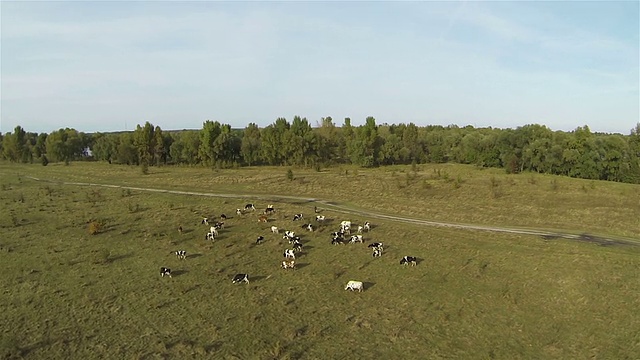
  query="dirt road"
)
[{"x": 330, "y": 205}]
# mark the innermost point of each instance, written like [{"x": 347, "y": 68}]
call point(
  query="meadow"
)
[{"x": 68, "y": 293}]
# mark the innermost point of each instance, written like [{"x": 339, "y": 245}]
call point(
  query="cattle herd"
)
[{"x": 340, "y": 237}]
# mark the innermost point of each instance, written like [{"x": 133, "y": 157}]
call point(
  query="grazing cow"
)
[
  {"x": 289, "y": 254},
  {"x": 223, "y": 217},
  {"x": 249, "y": 207},
  {"x": 308, "y": 227},
  {"x": 209, "y": 236},
  {"x": 320, "y": 218},
  {"x": 376, "y": 245},
  {"x": 165, "y": 271},
  {"x": 274, "y": 229},
  {"x": 345, "y": 224},
  {"x": 241, "y": 278},
  {"x": 409, "y": 260},
  {"x": 180, "y": 229},
  {"x": 337, "y": 241},
  {"x": 269, "y": 210},
  {"x": 289, "y": 264},
  {"x": 297, "y": 217},
  {"x": 377, "y": 252},
  {"x": 239, "y": 212},
  {"x": 294, "y": 239},
  {"x": 289, "y": 234},
  {"x": 360, "y": 229},
  {"x": 262, "y": 218},
  {"x": 315, "y": 209},
  {"x": 205, "y": 221},
  {"x": 354, "y": 285},
  {"x": 260, "y": 239},
  {"x": 367, "y": 226},
  {"x": 219, "y": 225},
  {"x": 297, "y": 246},
  {"x": 356, "y": 238},
  {"x": 181, "y": 254}
]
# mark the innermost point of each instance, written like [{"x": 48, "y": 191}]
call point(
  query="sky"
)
[{"x": 107, "y": 66}]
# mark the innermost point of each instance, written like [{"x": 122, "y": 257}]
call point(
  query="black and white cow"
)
[
  {"x": 376, "y": 246},
  {"x": 209, "y": 236},
  {"x": 320, "y": 218},
  {"x": 239, "y": 212},
  {"x": 409, "y": 260},
  {"x": 297, "y": 217},
  {"x": 274, "y": 229},
  {"x": 223, "y": 217},
  {"x": 377, "y": 252},
  {"x": 289, "y": 264},
  {"x": 309, "y": 227},
  {"x": 269, "y": 210},
  {"x": 337, "y": 241},
  {"x": 213, "y": 230},
  {"x": 297, "y": 246},
  {"x": 260, "y": 239},
  {"x": 241, "y": 278},
  {"x": 165, "y": 271},
  {"x": 249, "y": 207},
  {"x": 219, "y": 225},
  {"x": 289, "y": 254},
  {"x": 205, "y": 221},
  {"x": 356, "y": 238},
  {"x": 181, "y": 254},
  {"x": 367, "y": 226}
]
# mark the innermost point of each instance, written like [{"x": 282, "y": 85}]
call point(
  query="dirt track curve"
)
[{"x": 329, "y": 205}]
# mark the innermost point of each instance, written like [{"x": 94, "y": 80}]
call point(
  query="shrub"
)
[
  {"x": 290, "y": 175},
  {"x": 44, "y": 161},
  {"x": 144, "y": 168},
  {"x": 96, "y": 226}
]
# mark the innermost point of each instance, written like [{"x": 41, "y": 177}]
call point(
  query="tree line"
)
[{"x": 579, "y": 153}]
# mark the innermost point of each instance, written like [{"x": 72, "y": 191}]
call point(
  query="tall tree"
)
[{"x": 250, "y": 145}]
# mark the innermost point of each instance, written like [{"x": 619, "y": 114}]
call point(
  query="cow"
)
[
  {"x": 241, "y": 278},
  {"x": 219, "y": 225},
  {"x": 297, "y": 217},
  {"x": 376, "y": 245},
  {"x": 354, "y": 285},
  {"x": 239, "y": 212},
  {"x": 249, "y": 207},
  {"x": 320, "y": 218},
  {"x": 308, "y": 227},
  {"x": 260, "y": 239},
  {"x": 345, "y": 224},
  {"x": 263, "y": 218},
  {"x": 289, "y": 254},
  {"x": 356, "y": 238},
  {"x": 294, "y": 239},
  {"x": 367, "y": 226},
  {"x": 289, "y": 234},
  {"x": 297, "y": 246},
  {"x": 165, "y": 271},
  {"x": 409, "y": 260},
  {"x": 180, "y": 229},
  {"x": 213, "y": 231},
  {"x": 205, "y": 221},
  {"x": 269, "y": 210},
  {"x": 289, "y": 264},
  {"x": 274, "y": 229},
  {"x": 315, "y": 209},
  {"x": 181, "y": 254},
  {"x": 337, "y": 241},
  {"x": 223, "y": 217},
  {"x": 360, "y": 228},
  {"x": 377, "y": 253},
  {"x": 209, "y": 236}
]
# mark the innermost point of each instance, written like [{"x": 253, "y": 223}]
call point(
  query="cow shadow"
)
[
  {"x": 256, "y": 278},
  {"x": 301, "y": 265},
  {"x": 119, "y": 257},
  {"x": 419, "y": 261},
  {"x": 193, "y": 256},
  {"x": 367, "y": 285},
  {"x": 175, "y": 273},
  {"x": 187, "y": 231},
  {"x": 307, "y": 247}
]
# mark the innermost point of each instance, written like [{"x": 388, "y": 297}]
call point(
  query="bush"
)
[
  {"x": 290, "y": 175},
  {"x": 95, "y": 227},
  {"x": 44, "y": 161}
]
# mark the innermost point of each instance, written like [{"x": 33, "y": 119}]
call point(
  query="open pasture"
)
[{"x": 69, "y": 294}]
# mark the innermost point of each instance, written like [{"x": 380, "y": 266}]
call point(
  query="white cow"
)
[
  {"x": 274, "y": 229},
  {"x": 213, "y": 231},
  {"x": 354, "y": 285},
  {"x": 320, "y": 218}
]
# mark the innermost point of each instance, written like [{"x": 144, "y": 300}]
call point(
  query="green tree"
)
[{"x": 250, "y": 144}]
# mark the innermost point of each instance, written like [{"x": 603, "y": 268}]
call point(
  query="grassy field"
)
[{"x": 481, "y": 295}]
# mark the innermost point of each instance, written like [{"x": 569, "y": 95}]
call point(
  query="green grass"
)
[{"x": 69, "y": 294}]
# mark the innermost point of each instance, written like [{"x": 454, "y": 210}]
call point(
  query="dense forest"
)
[{"x": 580, "y": 153}]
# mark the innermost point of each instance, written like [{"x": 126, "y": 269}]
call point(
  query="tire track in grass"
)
[{"x": 329, "y": 205}]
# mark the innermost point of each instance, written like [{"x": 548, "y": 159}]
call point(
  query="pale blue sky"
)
[{"x": 96, "y": 66}]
